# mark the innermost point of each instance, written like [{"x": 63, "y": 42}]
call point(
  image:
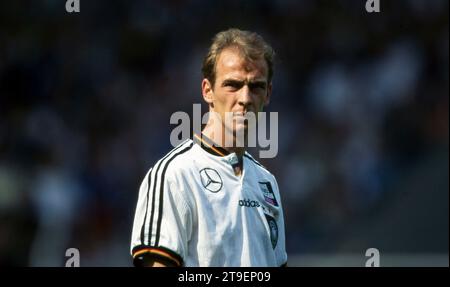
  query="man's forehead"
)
[{"x": 232, "y": 63}]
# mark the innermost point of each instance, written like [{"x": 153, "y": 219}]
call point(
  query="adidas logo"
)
[{"x": 248, "y": 203}]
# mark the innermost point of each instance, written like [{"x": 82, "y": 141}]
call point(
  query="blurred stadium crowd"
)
[{"x": 85, "y": 102}]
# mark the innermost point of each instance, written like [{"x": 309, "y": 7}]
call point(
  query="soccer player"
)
[{"x": 206, "y": 203}]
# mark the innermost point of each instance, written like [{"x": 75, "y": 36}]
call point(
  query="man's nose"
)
[{"x": 245, "y": 97}]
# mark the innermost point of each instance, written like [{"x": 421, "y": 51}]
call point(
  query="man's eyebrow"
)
[
  {"x": 232, "y": 81},
  {"x": 243, "y": 82},
  {"x": 258, "y": 82}
]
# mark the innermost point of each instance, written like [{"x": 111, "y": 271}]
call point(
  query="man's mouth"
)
[{"x": 240, "y": 114}]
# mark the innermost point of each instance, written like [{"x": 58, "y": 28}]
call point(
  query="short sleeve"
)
[{"x": 163, "y": 219}]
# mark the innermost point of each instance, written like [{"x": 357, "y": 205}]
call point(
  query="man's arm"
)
[
  {"x": 162, "y": 233},
  {"x": 147, "y": 260},
  {"x": 156, "y": 262}
]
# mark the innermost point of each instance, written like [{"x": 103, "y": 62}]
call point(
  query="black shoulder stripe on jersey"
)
[
  {"x": 161, "y": 162},
  {"x": 154, "y": 169},
  {"x": 161, "y": 191},
  {"x": 146, "y": 205},
  {"x": 147, "y": 195}
]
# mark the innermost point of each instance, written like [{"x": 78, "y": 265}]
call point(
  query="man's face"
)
[{"x": 241, "y": 86}]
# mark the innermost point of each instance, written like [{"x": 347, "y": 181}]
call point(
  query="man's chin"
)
[
  {"x": 241, "y": 128},
  {"x": 238, "y": 129}
]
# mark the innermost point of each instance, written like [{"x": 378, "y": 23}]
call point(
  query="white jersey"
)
[{"x": 194, "y": 211}]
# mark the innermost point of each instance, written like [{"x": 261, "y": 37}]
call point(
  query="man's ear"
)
[
  {"x": 269, "y": 94},
  {"x": 207, "y": 91}
]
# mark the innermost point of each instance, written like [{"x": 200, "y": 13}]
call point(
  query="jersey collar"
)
[{"x": 208, "y": 145}]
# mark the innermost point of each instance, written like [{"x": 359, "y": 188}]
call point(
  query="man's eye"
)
[
  {"x": 233, "y": 85},
  {"x": 258, "y": 87}
]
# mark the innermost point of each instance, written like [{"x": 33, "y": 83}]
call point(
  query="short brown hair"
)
[{"x": 249, "y": 43}]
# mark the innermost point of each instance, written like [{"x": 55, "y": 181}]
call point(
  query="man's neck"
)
[{"x": 209, "y": 131}]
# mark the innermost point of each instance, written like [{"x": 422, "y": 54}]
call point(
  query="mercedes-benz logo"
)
[{"x": 211, "y": 179}]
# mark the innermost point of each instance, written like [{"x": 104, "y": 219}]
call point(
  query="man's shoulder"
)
[
  {"x": 261, "y": 168},
  {"x": 176, "y": 159}
]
